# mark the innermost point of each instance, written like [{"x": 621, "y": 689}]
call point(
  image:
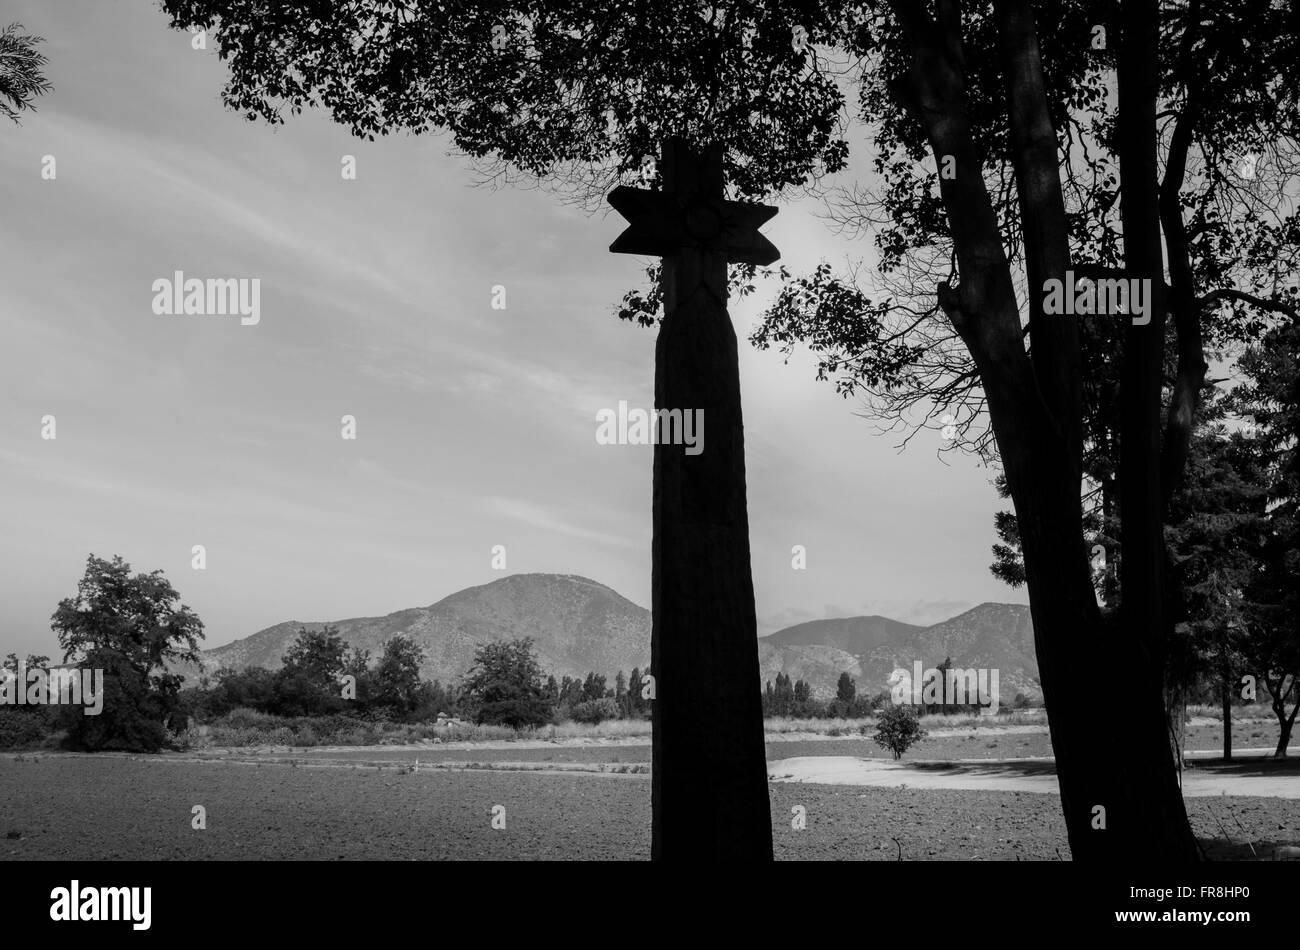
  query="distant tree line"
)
[
  {"x": 505, "y": 686},
  {"x": 322, "y": 676},
  {"x": 795, "y": 700}
]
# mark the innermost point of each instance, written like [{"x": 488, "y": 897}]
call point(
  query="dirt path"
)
[{"x": 1254, "y": 775}]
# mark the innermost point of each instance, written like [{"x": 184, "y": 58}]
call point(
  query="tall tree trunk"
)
[
  {"x": 709, "y": 785},
  {"x": 1151, "y": 801},
  {"x": 1069, "y": 637},
  {"x": 1120, "y": 798}
]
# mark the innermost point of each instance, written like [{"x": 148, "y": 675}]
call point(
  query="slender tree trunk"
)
[
  {"x": 1176, "y": 713},
  {"x": 1284, "y": 722},
  {"x": 1225, "y": 693},
  {"x": 709, "y": 785},
  {"x": 1283, "y": 739}
]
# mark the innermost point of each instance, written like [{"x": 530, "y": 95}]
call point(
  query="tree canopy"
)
[
  {"x": 578, "y": 91},
  {"x": 132, "y": 627},
  {"x": 22, "y": 71}
]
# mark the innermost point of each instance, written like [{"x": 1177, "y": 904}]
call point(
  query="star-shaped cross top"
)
[{"x": 691, "y": 212}]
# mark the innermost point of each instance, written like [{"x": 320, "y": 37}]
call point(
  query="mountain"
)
[
  {"x": 818, "y": 665},
  {"x": 577, "y": 625},
  {"x": 990, "y": 636},
  {"x": 993, "y": 636},
  {"x": 856, "y": 635}
]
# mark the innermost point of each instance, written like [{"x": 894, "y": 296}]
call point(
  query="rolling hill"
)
[
  {"x": 579, "y": 625},
  {"x": 992, "y": 636}
]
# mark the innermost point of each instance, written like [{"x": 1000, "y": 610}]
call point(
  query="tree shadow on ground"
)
[
  {"x": 991, "y": 767},
  {"x": 1225, "y": 849},
  {"x": 1254, "y": 767}
]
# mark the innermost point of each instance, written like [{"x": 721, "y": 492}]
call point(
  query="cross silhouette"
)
[
  {"x": 691, "y": 214},
  {"x": 709, "y": 778}
]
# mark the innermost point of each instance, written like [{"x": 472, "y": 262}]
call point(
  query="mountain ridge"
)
[{"x": 580, "y": 625}]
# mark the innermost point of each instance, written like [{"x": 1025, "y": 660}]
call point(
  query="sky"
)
[{"x": 475, "y": 426}]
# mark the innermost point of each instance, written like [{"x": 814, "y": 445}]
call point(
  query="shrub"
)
[
  {"x": 23, "y": 728},
  {"x": 244, "y": 718},
  {"x": 595, "y": 711},
  {"x": 225, "y": 736},
  {"x": 897, "y": 729}
]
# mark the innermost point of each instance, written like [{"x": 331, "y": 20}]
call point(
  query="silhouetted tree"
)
[{"x": 1138, "y": 185}]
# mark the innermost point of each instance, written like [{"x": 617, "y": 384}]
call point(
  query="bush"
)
[
  {"x": 244, "y": 727},
  {"x": 24, "y": 728},
  {"x": 519, "y": 713},
  {"x": 595, "y": 711},
  {"x": 854, "y": 708},
  {"x": 297, "y": 694},
  {"x": 244, "y": 718},
  {"x": 897, "y": 729}
]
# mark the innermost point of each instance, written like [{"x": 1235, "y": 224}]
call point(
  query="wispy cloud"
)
[{"x": 554, "y": 521}]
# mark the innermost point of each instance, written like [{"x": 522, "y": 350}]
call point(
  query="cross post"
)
[{"x": 709, "y": 794}]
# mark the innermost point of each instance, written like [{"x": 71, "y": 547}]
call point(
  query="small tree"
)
[
  {"x": 897, "y": 729},
  {"x": 593, "y": 687},
  {"x": 570, "y": 692},
  {"x": 636, "y": 706},
  {"x": 397, "y": 683},
  {"x": 621, "y": 695},
  {"x": 505, "y": 685},
  {"x": 309, "y": 682},
  {"x": 783, "y": 696},
  {"x": 846, "y": 690}
]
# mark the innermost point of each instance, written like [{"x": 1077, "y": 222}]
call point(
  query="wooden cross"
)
[
  {"x": 709, "y": 782},
  {"x": 691, "y": 213}
]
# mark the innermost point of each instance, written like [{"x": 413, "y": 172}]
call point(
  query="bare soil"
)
[{"x": 326, "y": 805}]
